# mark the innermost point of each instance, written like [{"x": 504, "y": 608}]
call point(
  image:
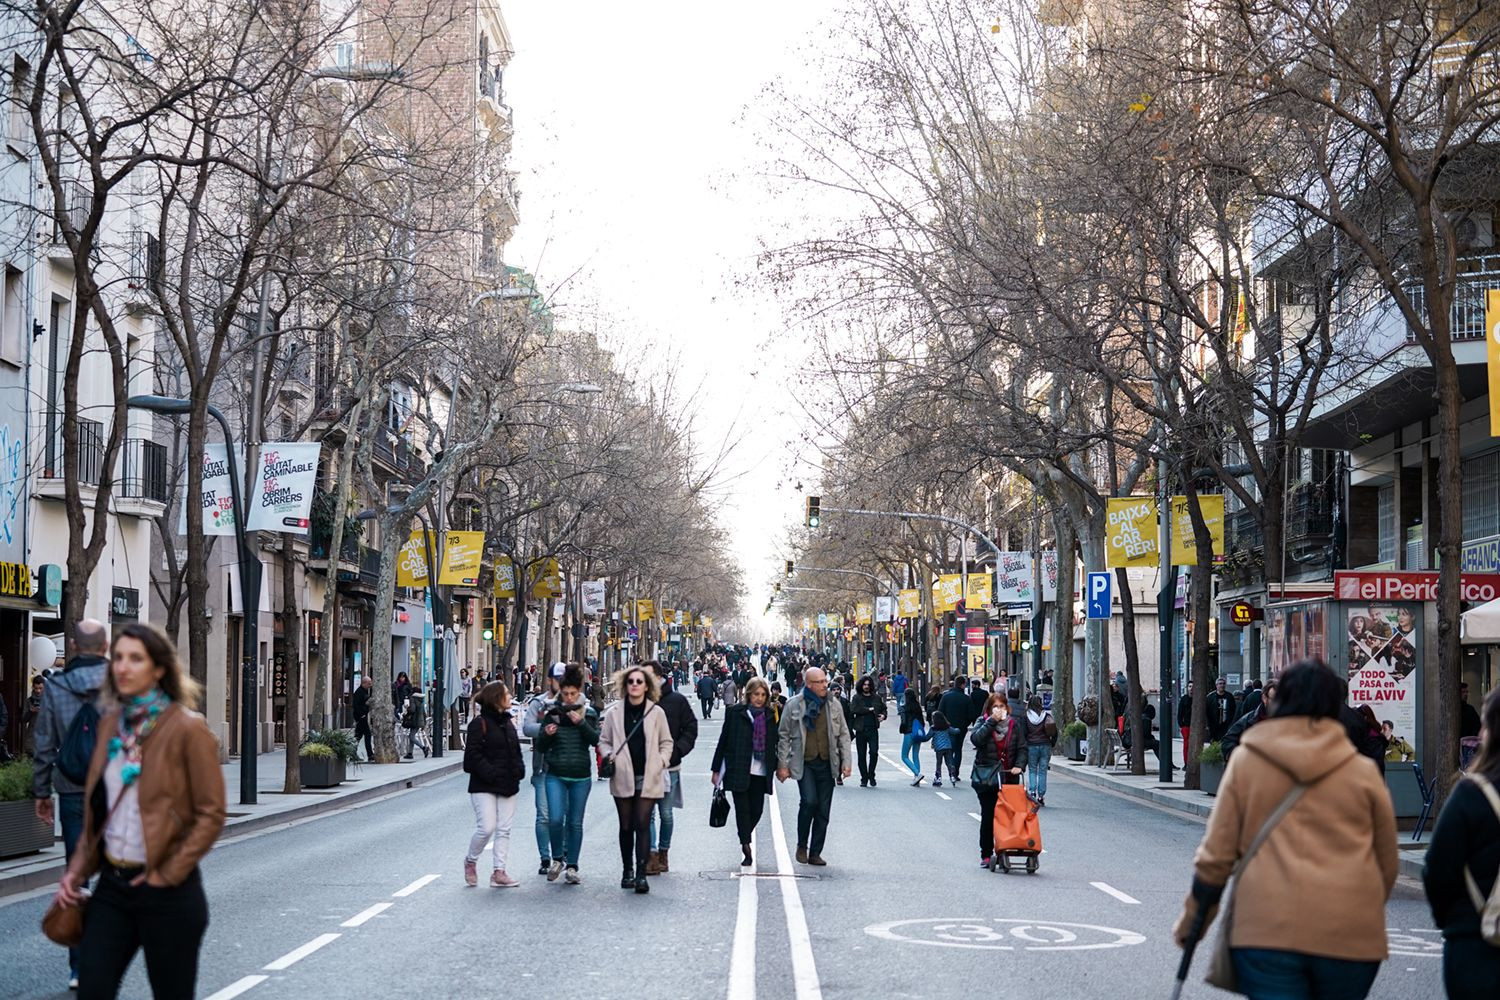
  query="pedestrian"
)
[
  {"x": 1396, "y": 747},
  {"x": 898, "y": 687},
  {"x": 492, "y": 760},
  {"x": 1259, "y": 713},
  {"x": 465, "y": 692},
  {"x": 812, "y": 748},
  {"x": 401, "y": 690},
  {"x": 531, "y": 728},
  {"x": 684, "y": 728},
  {"x": 745, "y": 759},
  {"x": 1374, "y": 736},
  {"x": 64, "y": 695},
  {"x": 362, "y": 716},
  {"x": 999, "y": 759},
  {"x": 153, "y": 807},
  {"x": 29, "y": 714},
  {"x": 569, "y": 729},
  {"x": 943, "y": 738},
  {"x": 1462, "y": 865},
  {"x": 635, "y": 737},
  {"x": 1040, "y": 737},
  {"x": 959, "y": 711},
  {"x": 913, "y": 734},
  {"x": 869, "y": 711},
  {"x": 1221, "y": 714},
  {"x": 705, "y": 687},
  {"x": 1468, "y": 719},
  {"x": 1185, "y": 720},
  {"x": 1309, "y": 904}
]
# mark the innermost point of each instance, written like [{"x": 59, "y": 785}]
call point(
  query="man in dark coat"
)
[
  {"x": 1221, "y": 711},
  {"x": 683, "y": 726},
  {"x": 959, "y": 711},
  {"x": 362, "y": 715},
  {"x": 706, "y": 693}
]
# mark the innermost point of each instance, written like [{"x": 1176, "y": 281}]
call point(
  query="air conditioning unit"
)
[{"x": 1473, "y": 230}]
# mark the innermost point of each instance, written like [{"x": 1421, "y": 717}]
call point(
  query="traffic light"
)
[
  {"x": 813, "y": 517},
  {"x": 789, "y": 567},
  {"x": 487, "y": 620}
]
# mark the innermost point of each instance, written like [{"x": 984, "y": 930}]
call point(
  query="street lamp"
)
[{"x": 249, "y": 590}]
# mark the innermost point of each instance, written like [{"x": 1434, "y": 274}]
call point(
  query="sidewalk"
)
[
  {"x": 1150, "y": 788},
  {"x": 272, "y": 808}
]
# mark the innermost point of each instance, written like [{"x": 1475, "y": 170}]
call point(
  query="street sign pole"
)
[{"x": 1166, "y": 613}]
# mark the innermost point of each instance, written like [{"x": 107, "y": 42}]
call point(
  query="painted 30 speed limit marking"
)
[{"x": 1005, "y": 934}]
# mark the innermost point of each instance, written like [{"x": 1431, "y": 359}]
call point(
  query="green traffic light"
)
[{"x": 488, "y": 634}]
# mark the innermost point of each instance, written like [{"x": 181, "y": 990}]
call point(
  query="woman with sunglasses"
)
[{"x": 635, "y": 738}]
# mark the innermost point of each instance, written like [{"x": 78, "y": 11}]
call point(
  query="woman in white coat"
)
[{"x": 634, "y": 736}]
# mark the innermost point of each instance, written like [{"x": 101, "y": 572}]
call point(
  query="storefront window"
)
[
  {"x": 1296, "y": 632},
  {"x": 1481, "y": 496}
]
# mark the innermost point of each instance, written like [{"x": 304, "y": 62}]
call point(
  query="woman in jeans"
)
[
  {"x": 868, "y": 709},
  {"x": 1465, "y": 845},
  {"x": 998, "y": 756},
  {"x": 913, "y": 735},
  {"x": 570, "y": 730},
  {"x": 153, "y": 807},
  {"x": 745, "y": 759},
  {"x": 1309, "y": 906},
  {"x": 635, "y": 735},
  {"x": 492, "y": 759},
  {"x": 1041, "y": 737}
]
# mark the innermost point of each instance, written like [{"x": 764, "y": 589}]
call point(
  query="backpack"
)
[
  {"x": 77, "y": 749},
  {"x": 1488, "y": 909}
]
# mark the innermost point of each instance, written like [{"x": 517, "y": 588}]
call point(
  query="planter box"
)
[
  {"x": 1401, "y": 781},
  {"x": 1073, "y": 747},
  {"x": 321, "y": 772},
  {"x": 1209, "y": 776},
  {"x": 20, "y": 831}
]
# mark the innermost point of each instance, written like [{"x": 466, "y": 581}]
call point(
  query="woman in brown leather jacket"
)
[{"x": 153, "y": 807}]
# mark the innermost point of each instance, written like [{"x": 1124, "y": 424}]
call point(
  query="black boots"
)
[{"x": 641, "y": 885}]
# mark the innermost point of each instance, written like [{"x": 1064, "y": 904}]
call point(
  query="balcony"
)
[
  {"x": 90, "y": 451},
  {"x": 143, "y": 267},
  {"x": 397, "y": 455},
  {"x": 1310, "y": 513},
  {"x": 1466, "y": 315},
  {"x": 144, "y": 479}
]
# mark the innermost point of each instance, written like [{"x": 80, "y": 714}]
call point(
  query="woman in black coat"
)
[
  {"x": 1466, "y": 843},
  {"x": 493, "y": 762},
  {"x": 745, "y": 759},
  {"x": 999, "y": 758}
]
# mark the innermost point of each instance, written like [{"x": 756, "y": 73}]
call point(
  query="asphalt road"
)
[{"x": 370, "y": 902}]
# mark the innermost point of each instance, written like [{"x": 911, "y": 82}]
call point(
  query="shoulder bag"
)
[
  {"x": 607, "y": 764},
  {"x": 1488, "y": 909},
  {"x": 64, "y": 924},
  {"x": 1221, "y": 964}
]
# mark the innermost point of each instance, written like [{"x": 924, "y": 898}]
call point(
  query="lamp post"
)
[{"x": 249, "y": 590}]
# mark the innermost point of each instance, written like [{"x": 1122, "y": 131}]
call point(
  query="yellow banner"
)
[
  {"x": 1130, "y": 532},
  {"x": 978, "y": 661},
  {"x": 548, "y": 581},
  {"x": 706, "y": 621},
  {"x": 948, "y": 592},
  {"x": 505, "y": 578},
  {"x": 411, "y": 562},
  {"x": 462, "y": 553},
  {"x": 863, "y": 614},
  {"x": 1184, "y": 548},
  {"x": 909, "y": 603},
  {"x": 644, "y": 610},
  {"x": 669, "y": 616},
  {"x": 1492, "y": 354},
  {"x": 981, "y": 588}
]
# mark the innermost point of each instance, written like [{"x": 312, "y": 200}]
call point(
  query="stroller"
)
[{"x": 1018, "y": 832}]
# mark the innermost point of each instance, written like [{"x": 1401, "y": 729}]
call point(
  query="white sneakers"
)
[
  {"x": 555, "y": 870},
  {"x": 572, "y": 877}
]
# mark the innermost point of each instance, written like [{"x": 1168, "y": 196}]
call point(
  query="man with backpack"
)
[{"x": 67, "y": 726}]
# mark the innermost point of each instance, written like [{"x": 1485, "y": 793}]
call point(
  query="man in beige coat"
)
[
  {"x": 1309, "y": 906},
  {"x": 635, "y": 736}
]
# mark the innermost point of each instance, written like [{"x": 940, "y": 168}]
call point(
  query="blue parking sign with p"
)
[{"x": 1100, "y": 594}]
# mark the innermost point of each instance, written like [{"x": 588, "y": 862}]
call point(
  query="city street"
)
[{"x": 370, "y": 901}]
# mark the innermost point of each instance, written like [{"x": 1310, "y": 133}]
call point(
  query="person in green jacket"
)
[{"x": 570, "y": 730}]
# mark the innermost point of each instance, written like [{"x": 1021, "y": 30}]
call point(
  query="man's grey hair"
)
[{"x": 91, "y": 636}]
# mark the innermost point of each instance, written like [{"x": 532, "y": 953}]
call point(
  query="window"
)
[
  {"x": 1481, "y": 496},
  {"x": 1385, "y": 523},
  {"x": 18, "y": 127},
  {"x": 343, "y": 54},
  {"x": 13, "y": 318}
]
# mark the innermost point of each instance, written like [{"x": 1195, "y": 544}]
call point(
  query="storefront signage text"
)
[
  {"x": 15, "y": 580},
  {"x": 1475, "y": 588}
]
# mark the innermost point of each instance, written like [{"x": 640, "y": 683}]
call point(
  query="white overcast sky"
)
[{"x": 640, "y": 169}]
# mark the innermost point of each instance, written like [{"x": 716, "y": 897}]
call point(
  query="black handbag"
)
[
  {"x": 718, "y": 810},
  {"x": 607, "y": 764}
]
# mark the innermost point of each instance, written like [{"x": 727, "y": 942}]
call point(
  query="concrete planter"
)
[
  {"x": 1209, "y": 776},
  {"x": 1073, "y": 747},
  {"x": 321, "y": 772},
  {"x": 20, "y": 831}
]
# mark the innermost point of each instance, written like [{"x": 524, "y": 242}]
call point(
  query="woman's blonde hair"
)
[
  {"x": 174, "y": 681},
  {"x": 757, "y": 684},
  {"x": 653, "y": 689}
]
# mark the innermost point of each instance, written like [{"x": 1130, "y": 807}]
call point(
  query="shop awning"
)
[{"x": 1481, "y": 625}]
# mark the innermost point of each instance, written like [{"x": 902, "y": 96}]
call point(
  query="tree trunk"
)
[
  {"x": 197, "y": 556},
  {"x": 1440, "y": 685},
  {"x": 393, "y": 532},
  {"x": 1200, "y": 592},
  {"x": 547, "y": 630},
  {"x": 291, "y": 633},
  {"x": 1062, "y": 619},
  {"x": 329, "y": 647},
  {"x": 1133, "y": 697}
]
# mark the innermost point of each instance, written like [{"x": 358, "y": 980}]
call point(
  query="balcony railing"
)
[
  {"x": 77, "y": 203},
  {"x": 1310, "y": 511},
  {"x": 90, "y": 451},
  {"x": 1466, "y": 316},
  {"x": 145, "y": 475}
]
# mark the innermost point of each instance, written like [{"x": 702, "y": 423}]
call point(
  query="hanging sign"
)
[
  {"x": 909, "y": 603},
  {"x": 1014, "y": 578},
  {"x": 885, "y": 609},
  {"x": 549, "y": 584},
  {"x": 505, "y": 578},
  {"x": 1130, "y": 532},
  {"x": 462, "y": 553},
  {"x": 1184, "y": 547},
  {"x": 593, "y": 597},
  {"x": 217, "y": 496},
  {"x": 644, "y": 610},
  {"x": 863, "y": 613},
  {"x": 948, "y": 592},
  {"x": 411, "y": 562},
  {"x": 282, "y": 497},
  {"x": 981, "y": 588}
]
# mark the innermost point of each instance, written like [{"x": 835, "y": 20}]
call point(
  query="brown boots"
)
[{"x": 656, "y": 864}]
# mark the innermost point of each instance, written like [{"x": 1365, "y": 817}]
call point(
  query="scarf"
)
[
  {"x": 1035, "y": 718},
  {"x": 137, "y": 719},
  {"x": 814, "y": 707},
  {"x": 758, "y": 732}
]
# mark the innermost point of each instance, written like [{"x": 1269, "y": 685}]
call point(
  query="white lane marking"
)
[
  {"x": 366, "y": 915},
  {"x": 1110, "y": 890},
  {"x": 975, "y": 816},
  {"x": 237, "y": 987},
  {"x": 942, "y": 795},
  {"x": 742, "y": 956},
  {"x": 296, "y": 955},
  {"x": 804, "y": 969},
  {"x": 424, "y": 880}
]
